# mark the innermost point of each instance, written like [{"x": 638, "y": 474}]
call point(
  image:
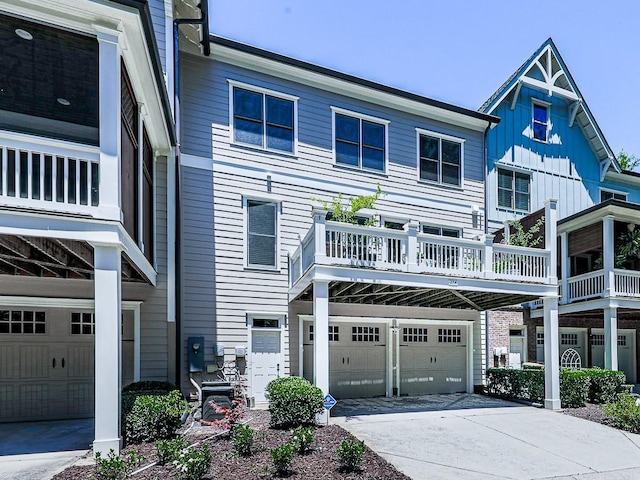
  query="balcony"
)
[
  {"x": 388, "y": 263},
  {"x": 49, "y": 175}
]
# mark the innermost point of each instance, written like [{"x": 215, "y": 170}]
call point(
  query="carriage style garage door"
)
[
  {"x": 433, "y": 358},
  {"x": 626, "y": 351},
  {"x": 47, "y": 362}
]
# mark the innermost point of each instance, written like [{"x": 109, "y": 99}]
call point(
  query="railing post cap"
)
[
  {"x": 552, "y": 202},
  {"x": 489, "y": 237},
  {"x": 319, "y": 211},
  {"x": 411, "y": 225}
]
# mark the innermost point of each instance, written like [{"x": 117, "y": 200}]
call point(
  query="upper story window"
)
[
  {"x": 609, "y": 194},
  {"x": 442, "y": 231},
  {"x": 540, "y": 122},
  {"x": 440, "y": 158},
  {"x": 263, "y": 118},
  {"x": 514, "y": 190},
  {"x": 261, "y": 244},
  {"x": 360, "y": 141}
]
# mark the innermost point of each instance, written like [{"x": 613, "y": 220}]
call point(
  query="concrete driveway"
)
[{"x": 514, "y": 442}]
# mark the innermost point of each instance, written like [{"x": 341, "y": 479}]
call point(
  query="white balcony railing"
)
[
  {"x": 333, "y": 243},
  {"x": 48, "y": 174},
  {"x": 585, "y": 286},
  {"x": 627, "y": 283}
]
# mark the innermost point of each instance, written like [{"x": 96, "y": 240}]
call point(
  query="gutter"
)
[{"x": 206, "y": 49}]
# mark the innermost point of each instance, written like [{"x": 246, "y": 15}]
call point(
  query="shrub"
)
[
  {"x": 193, "y": 464},
  {"x": 293, "y": 401},
  {"x": 624, "y": 413},
  {"x": 242, "y": 438},
  {"x": 168, "y": 450},
  {"x": 604, "y": 385},
  {"x": 574, "y": 388},
  {"x": 115, "y": 467},
  {"x": 282, "y": 457},
  {"x": 150, "y": 385},
  {"x": 527, "y": 384},
  {"x": 154, "y": 417},
  {"x": 302, "y": 438},
  {"x": 350, "y": 455}
]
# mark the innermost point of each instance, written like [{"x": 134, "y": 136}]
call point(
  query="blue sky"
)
[{"x": 457, "y": 51}]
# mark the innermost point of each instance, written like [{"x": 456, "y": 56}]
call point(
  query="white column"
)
[
  {"x": 608, "y": 253},
  {"x": 321, "y": 340},
  {"x": 109, "y": 113},
  {"x": 136, "y": 344},
  {"x": 320, "y": 234},
  {"x": 487, "y": 257},
  {"x": 551, "y": 355},
  {"x": 107, "y": 274},
  {"x": 551, "y": 238},
  {"x": 611, "y": 338},
  {"x": 564, "y": 266},
  {"x": 412, "y": 228},
  {"x": 141, "y": 212},
  {"x": 507, "y": 232}
]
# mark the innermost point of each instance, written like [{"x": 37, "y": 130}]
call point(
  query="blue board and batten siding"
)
[
  {"x": 218, "y": 290},
  {"x": 565, "y": 168},
  {"x": 158, "y": 17}
]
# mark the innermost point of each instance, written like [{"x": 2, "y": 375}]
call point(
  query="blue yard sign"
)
[{"x": 329, "y": 401}]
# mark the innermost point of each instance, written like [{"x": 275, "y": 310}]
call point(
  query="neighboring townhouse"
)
[
  {"x": 362, "y": 310},
  {"x": 549, "y": 145},
  {"x": 86, "y": 235}
]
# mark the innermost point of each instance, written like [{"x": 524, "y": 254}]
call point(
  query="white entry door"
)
[{"x": 266, "y": 355}]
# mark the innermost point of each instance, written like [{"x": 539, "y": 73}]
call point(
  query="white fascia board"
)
[
  {"x": 590, "y": 305},
  {"x": 288, "y": 178},
  {"x": 620, "y": 177},
  {"x": 343, "y": 87},
  {"x": 56, "y": 302},
  {"x": 79, "y": 229}
]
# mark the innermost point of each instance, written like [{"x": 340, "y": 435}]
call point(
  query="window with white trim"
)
[
  {"x": 359, "y": 141},
  {"x": 414, "y": 335},
  {"x": 449, "y": 335},
  {"x": 263, "y": 119},
  {"x": 609, "y": 194},
  {"x": 442, "y": 231},
  {"x": 440, "y": 159},
  {"x": 17, "y": 321},
  {"x": 568, "y": 339},
  {"x": 597, "y": 339},
  {"x": 539, "y": 338},
  {"x": 514, "y": 190},
  {"x": 334, "y": 333},
  {"x": 365, "y": 334},
  {"x": 83, "y": 324},
  {"x": 540, "y": 122},
  {"x": 262, "y": 233}
]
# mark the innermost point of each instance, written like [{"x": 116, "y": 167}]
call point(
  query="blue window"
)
[
  {"x": 360, "y": 143},
  {"x": 540, "y": 122},
  {"x": 263, "y": 120}
]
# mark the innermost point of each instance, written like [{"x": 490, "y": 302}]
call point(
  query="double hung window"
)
[
  {"x": 514, "y": 190},
  {"x": 440, "y": 158},
  {"x": 262, "y": 234},
  {"x": 263, "y": 119},
  {"x": 360, "y": 141},
  {"x": 540, "y": 122}
]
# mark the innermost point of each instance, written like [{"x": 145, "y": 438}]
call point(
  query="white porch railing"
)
[
  {"x": 334, "y": 243},
  {"x": 587, "y": 285},
  {"x": 627, "y": 283},
  {"x": 48, "y": 174}
]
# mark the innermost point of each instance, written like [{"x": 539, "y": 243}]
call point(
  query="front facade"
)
[
  {"x": 548, "y": 144},
  {"x": 86, "y": 142},
  {"x": 390, "y": 305}
]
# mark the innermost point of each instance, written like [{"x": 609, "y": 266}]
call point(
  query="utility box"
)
[
  {"x": 219, "y": 392},
  {"x": 196, "y": 354}
]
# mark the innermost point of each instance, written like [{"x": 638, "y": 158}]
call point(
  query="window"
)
[
  {"x": 597, "y": 339},
  {"x": 365, "y": 334},
  {"x": 82, "y": 324},
  {"x": 568, "y": 339},
  {"x": 622, "y": 340},
  {"x": 513, "y": 332},
  {"x": 16, "y": 321},
  {"x": 540, "y": 122},
  {"x": 334, "y": 333},
  {"x": 449, "y": 335},
  {"x": 439, "y": 158},
  {"x": 514, "y": 190},
  {"x": 263, "y": 118},
  {"x": 442, "y": 231},
  {"x": 311, "y": 333},
  {"x": 609, "y": 194},
  {"x": 262, "y": 241},
  {"x": 360, "y": 141},
  {"x": 266, "y": 323},
  {"x": 539, "y": 338},
  {"x": 413, "y": 334}
]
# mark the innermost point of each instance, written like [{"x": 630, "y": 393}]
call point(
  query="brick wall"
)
[{"x": 499, "y": 323}]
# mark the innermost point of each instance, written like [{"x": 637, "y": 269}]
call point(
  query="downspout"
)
[
  {"x": 206, "y": 50},
  {"x": 486, "y": 230}
]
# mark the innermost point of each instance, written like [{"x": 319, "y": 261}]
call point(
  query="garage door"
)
[
  {"x": 626, "y": 351},
  {"x": 357, "y": 359},
  {"x": 433, "y": 359}
]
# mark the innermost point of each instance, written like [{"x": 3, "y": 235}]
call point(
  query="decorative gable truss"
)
[{"x": 546, "y": 71}]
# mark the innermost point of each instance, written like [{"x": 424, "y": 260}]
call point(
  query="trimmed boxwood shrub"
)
[
  {"x": 624, "y": 413},
  {"x": 150, "y": 385},
  {"x": 154, "y": 417},
  {"x": 577, "y": 387},
  {"x": 293, "y": 402}
]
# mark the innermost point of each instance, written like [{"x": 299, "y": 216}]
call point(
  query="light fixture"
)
[
  {"x": 25, "y": 35},
  {"x": 631, "y": 227},
  {"x": 63, "y": 101}
]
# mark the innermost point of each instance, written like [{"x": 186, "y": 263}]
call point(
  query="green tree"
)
[{"x": 628, "y": 161}]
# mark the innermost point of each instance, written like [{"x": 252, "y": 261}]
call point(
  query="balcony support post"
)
[
  {"x": 564, "y": 267},
  {"x": 611, "y": 338},
  {"x": 550, "y": 238},
  {"x": 411, "y": 228},
  {"x": 507, "y": 232},
  {"x": 487, "y": 257},
  {"x": 321, "y": 342},
  {"x": 551, "y": 355},
  {"x": 608, "y": 253},
  {"x": 109, "y": 108},
  {"x": 320, "y": 235}
]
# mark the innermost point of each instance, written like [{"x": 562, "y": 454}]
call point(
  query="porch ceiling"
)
[
  {"x": 377, "y": 294},
  {"x": 54, "y": 258}
]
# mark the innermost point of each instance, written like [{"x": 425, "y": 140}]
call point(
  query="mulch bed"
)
[
  {"x": 320, "y": 463},
  {"x": 590, "y": 412}
]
